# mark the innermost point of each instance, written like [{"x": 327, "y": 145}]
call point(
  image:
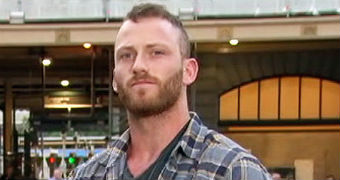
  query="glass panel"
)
[
  {"x": 310, "y": 96},
  {"x": 269, "y": 99},
  {"x": 63, "y": 9},
  {"x": 289, "y": 98},
  {"x": 330, "y": 100},
  {"x": 6, "y": 7},
  {"x": 229, "y": 105},
  {"x": 249, "y": 101},
  {"x": 80, "y": 10}
]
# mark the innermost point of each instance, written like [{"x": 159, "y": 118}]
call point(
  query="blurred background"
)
[{"x": 269, "y": 79}]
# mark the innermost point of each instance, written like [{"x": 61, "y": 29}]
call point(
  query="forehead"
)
[{"x": 147, "y": 29}]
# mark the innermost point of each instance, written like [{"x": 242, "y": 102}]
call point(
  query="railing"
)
[{"x": 107, "y": 10}]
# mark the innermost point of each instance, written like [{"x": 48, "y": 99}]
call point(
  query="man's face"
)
[{"x": 148, "y": 66}]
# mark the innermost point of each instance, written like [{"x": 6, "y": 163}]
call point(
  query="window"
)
[{"x": 282, "y": 98}]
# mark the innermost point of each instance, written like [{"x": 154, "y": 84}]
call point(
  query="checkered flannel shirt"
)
[{"x": 201, "y": 154}]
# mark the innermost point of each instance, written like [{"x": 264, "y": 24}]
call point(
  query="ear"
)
[
  {"x": 190, "y": 68},
  {"x": 114, "y": 83}
]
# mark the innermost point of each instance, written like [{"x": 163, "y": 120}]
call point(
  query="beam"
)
[
  {"x": 315, "y": 128},
  {"x": 217, "y": 30},
  {"x": 8, "y": 124}
]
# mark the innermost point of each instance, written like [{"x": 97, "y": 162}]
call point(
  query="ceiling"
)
[
  {"x": 21, "y": 68},
  {"x": 21, "y": 65}
]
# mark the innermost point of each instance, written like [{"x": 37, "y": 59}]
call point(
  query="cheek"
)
[{"x": 117, "y": 77}]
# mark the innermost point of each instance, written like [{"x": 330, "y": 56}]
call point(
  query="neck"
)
[{"x": 150, "y": 135}]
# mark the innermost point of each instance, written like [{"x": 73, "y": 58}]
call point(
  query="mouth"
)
[{"x": 142, "y": 82}]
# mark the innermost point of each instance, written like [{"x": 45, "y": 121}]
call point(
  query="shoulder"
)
[
  {"x": 94, "y": 167},
  {"x": 231, "y": 160},
  {"x": 221, "y": 150}
]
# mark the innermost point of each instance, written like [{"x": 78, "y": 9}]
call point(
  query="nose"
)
[{"x": 140, "y": 64}]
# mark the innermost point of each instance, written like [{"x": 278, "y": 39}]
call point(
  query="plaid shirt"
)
[{"x": 201, "y": 154}]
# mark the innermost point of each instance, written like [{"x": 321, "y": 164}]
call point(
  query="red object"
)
[{"x": 52, "y": 160}]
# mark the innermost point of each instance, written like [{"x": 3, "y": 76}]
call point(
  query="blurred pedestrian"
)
[
  {"x": 276, "y": 176},
  {"x": 57, "y": 174},
  {"x": 9, "y": 174},
  {"x": 330, "y": 177}
]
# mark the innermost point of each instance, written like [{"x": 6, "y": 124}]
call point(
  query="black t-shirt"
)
[{"x": 156, "y": 168}]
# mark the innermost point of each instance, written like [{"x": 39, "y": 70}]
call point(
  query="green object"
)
[{"x": 72, "y": 160}]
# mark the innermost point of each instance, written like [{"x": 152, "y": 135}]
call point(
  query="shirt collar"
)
[
  {"x": 192, "y": 141},
  {"x": 118, "y": 148}
]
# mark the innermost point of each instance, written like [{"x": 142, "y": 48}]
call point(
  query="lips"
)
[
  {"x": 138, "y": 82},
  {"x": 142, "y": 79},
  {"x": 142, "y": 82}
]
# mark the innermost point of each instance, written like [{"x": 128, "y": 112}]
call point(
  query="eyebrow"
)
[
  {"x": 124, "y": 48},
  {"x": 155, "y": 44},
  {"x": 151, "y": 45}
]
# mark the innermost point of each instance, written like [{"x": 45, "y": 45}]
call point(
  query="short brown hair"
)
[{"x": 146, "y": 10}]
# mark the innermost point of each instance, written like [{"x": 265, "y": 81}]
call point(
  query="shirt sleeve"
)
[
  {"x": 75, "y": 173},
  {"x": 247, "y": 169},
  {"x": 71, "y": 175}
]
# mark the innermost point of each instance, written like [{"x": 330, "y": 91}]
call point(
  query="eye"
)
[
  {"x": 125, "y": 56},
  {"x": 157, "y": 52}
]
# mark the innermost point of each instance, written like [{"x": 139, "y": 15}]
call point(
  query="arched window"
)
[{"x": 282, "y": 98}]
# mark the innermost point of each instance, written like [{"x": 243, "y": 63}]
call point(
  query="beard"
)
[{"x": 167, "y": 95}]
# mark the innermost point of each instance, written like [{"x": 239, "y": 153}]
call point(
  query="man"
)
[
  {"x": 9, "y": 173},
  {"x": 276, "y": 176},
  {"x": 164, "y": 141},
  {"x": 57, "y": 174},
  {"x": 330, "y": 177}
]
